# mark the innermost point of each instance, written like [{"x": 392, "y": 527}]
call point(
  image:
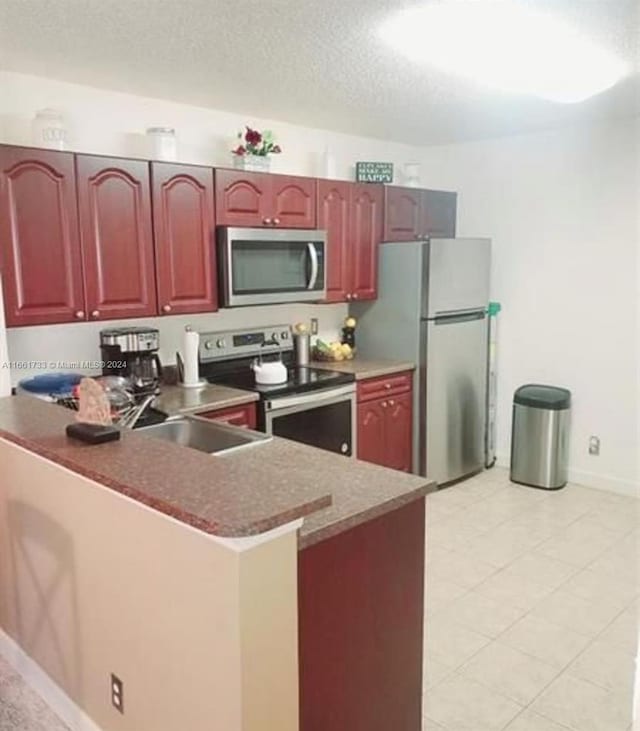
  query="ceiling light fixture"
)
[{"x": 506, "y": 46}]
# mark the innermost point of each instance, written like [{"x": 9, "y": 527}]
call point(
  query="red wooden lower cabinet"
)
[
  {"x": 244, "y": 416},
  {"x": 361, "y": 613},
  {"x": 385, "y": 421}
]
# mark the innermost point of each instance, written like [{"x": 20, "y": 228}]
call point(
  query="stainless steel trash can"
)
[{"x": 540, "y": 436}]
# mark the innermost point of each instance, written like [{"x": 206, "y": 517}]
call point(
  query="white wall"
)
[
  {"x": 562, "y": 210},
  {"x": 112, "y": 123}
]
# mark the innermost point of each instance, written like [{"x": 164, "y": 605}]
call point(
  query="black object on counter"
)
[
  {"x": 93, "y": 433},
  {"x": 349, "y": 336}
]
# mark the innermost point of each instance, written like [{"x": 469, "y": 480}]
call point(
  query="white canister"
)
[
  {"x": 411, "y": 173},
  {"x": 163, "y": 144},
  {"x": 49, "y": 129}
]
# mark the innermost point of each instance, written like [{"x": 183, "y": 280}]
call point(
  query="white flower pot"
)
[{"x": 255, "y": 163}]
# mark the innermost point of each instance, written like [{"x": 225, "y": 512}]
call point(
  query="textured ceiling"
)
[{"x": 311, "y": 62}]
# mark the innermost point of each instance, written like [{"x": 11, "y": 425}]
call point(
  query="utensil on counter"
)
[{"x": 302, "y": 343}]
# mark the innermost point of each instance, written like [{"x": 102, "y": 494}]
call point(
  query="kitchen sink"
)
[{"x": 204, "y": 435}]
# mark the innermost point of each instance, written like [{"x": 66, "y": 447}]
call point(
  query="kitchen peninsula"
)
[{"x": 285, "y": 582}]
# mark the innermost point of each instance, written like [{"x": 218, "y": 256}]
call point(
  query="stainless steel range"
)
[{"x": 313, "y": 406}]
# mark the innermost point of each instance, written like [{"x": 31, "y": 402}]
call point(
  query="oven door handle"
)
[
  {"x": 313, "y": 255},
  {"x": 310, "y": 399}
]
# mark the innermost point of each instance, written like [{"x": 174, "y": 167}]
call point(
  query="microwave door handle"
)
[{"x": 313, "y": 254}]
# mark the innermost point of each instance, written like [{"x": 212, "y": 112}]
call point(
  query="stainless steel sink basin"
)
[{"x": 204, "y": 435}]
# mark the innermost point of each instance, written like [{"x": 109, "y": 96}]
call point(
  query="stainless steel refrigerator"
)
[{"x": 432, "y": 310}]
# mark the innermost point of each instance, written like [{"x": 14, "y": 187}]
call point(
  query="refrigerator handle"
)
[{"x": 452, "y": 319}]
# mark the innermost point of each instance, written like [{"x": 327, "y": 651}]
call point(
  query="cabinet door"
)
[
  {"x": 371, "y": 432},
  {"x": 115, "y": 226},
  {"x": 438, "y": 213},
  {"x": 40, "y": 255},
  {"x": 243, "y": 416},
  {"x": 293, "y": 202},
  {"x": 242, "y": 198},
  {"x": 184, "y": 235},
  {"x": 402, "y": 213},
  {"x": 366, "y": 235},
  {"x": 399, "y": 432},
  {"x": 334, "y": 211}
]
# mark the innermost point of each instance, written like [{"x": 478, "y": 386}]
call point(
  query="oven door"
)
[
  {"x": 323, "y": 419},
  {"x": 266, "y": 266}
]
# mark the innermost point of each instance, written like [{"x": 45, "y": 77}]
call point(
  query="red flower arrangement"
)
[{"x": 253, "y": 142}]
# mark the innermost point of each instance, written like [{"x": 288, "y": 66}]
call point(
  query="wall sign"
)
[{"x": 374, "y": 172}]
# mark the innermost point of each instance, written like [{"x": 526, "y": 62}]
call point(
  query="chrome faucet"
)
[{"x": 132, "y": 417}]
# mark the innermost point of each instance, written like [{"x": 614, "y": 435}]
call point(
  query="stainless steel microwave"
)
[{"x": 264, "y": 266}]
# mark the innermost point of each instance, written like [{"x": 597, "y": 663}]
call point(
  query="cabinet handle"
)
[
  {"x": 266, "y": 220},
  {"x": 355, "y": 295},
  {"x": 276, "y": 221},
  {"x": 166, "y": 308},
  {"x": 79, "y": 315},
  {"x": 95, "y": 313},
  {"x": 391, "y": 402},
  {"x": 384, "y": 404},
  {"x": 349, "y": 295},
  {"x": 387, "y": 386}
]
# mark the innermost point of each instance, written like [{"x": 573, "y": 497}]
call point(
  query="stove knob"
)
[
  {"x": 284, "y": 335},
  {"x": 274, "y": 336},
  {"x": 221, "y": 343},
  {"x": 208, "y": 344}
]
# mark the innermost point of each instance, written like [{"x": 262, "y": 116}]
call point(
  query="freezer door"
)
[
  {"x": 456, "y": 376},
  {"x": 457, "y": 273}
]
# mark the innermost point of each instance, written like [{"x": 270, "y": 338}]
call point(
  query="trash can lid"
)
[{"x": 543, "y": 397}]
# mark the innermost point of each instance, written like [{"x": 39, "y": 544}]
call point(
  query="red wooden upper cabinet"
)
[
  {"x": 117, "y": 245},
  {"x": 39, "y": 243},
  {"x": 261, "y": 199},
  {"x": 438, "y": 213},
  {"x": 367, "y": 216},
  {"x": 242, "y": 198},
  {"x": 334, "y": 211},
  {"x": 184, "y": 234},
  {"x": 292, "y": 201},
  {"x": 402, "y": 213}
]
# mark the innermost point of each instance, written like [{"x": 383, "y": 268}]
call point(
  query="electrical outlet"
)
[
  {"x": 314, "y": 325},
  {"x": 117, "y": 693},
  {"x": 594, "y": 445}
]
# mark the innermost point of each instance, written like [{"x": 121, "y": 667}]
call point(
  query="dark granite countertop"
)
[
  {"x": 364, "y": 368},
  {"x": 240, "y": 494},
  {"x": 175, "y": 400}
]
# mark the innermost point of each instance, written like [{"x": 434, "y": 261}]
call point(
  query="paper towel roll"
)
[{"x": 190, "y": 343}]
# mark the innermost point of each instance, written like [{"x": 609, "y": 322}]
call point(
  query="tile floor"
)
[
  {"x": 22, "y": 709},
  {"x": 532, "y": 612},
  {"x": 533, "y": 600}
]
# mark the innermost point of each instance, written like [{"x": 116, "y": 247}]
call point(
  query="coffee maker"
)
[{"x": 132, "y": 352}]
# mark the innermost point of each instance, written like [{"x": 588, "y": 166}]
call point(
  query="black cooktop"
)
[{"x": 301, "y": 380}]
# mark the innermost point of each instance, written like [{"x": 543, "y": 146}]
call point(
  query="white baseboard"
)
[
  {"x": 59, "y": 702},
  {"x": 591, "y": 479}
]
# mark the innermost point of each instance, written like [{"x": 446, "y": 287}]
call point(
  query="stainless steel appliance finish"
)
[
  {"x": 132, "y": 353},
  {"x": 324, "y": 419},
  {"x": 540, "y": 436},
  {"x": 431, "y": 309},
  {"x": 244, "y": 343},
  {"x": 539, "y": 447},
  {"x": 314, "y": 406},
  {"x": 261, "y": 266},
  {"x": 302, "y": 343},
  {"x": 204, "y": 435},
  {"x": 131, "y": 339}
]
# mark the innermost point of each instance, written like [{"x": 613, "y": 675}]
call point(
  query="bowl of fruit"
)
[{"x": 332, "y": 352}]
